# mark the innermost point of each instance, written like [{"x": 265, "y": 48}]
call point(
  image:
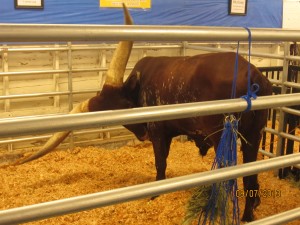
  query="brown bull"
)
[{"x": 170, "y": 80}]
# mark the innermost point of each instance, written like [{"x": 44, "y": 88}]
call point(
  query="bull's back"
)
[{"x": 170, "y": 80}]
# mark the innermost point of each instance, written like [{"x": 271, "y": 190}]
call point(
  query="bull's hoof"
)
[
  {"x": 256, "y": 202},
  {"x": 248, "y": 218}
]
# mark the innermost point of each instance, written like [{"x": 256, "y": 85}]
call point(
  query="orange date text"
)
[{"x": 263, "y": 193}]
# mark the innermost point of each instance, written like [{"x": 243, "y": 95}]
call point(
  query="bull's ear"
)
[{"x": 132, "y": 81}]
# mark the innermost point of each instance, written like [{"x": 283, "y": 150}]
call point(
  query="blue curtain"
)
[{"x": 260, "y": 13}]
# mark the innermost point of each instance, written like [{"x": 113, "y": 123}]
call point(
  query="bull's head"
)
[{"x": 114, "y": 95}]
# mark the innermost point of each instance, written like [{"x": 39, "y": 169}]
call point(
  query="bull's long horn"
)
[
  {"x": 56, "y": 139},
  {"x": 117, "y": 66},
  {"x": 114, "y": 77}
]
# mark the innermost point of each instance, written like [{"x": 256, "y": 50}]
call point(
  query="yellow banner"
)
[{"x": 143, "y": 4}]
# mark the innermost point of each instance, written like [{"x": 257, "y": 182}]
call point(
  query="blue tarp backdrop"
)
[{"x": 260, "y": 13}]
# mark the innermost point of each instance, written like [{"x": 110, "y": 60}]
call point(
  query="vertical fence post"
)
[
  {"x": 101, "y": 74},
  {"x": 6, "y": 84},
  {"x": 5, "y": 78},
  {"x": 70, "y": 89},
  {"x": 183, "y": 53},
  {"x": 55, "y": 59},
  {"x": 282, "y": 120},
  {"x": 183, "y": 49},
  {"x": 144, "y": 53}
]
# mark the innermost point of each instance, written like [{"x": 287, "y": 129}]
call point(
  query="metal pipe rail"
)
[
  {"x": 116, "y": 196},
  {"x": 286, "y": 83},
  {"x": 138, "y": 115},
  {"x": 78, "y": 47},
  {"x": 289, "y": 136},
  {"x": 271, "y": 130},
  {"x": 33, "y": 72},
  {"x": 211, "y": 49},
  {"x": 93, "y": 131},
  {"x": 119, "y": 138},
  {"x": 291, "y": 111},
  {"x": 283, "y": 134},
  {"x": 269, "y": 154},
  {"x": 38, "y": 72},
  {"x": 34, "y": 95},
  {"x": 280, "y": 218},
  {"x": 257, "y": 54},
  {"x": 291, "y": 84},
  {"x": 47, "y": 94},
  {"x": 63, "y": 32},
  {"x": 274, "y": 81}
]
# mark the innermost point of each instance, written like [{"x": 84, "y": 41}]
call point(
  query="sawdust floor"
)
[{"x": 64, "y": 174}]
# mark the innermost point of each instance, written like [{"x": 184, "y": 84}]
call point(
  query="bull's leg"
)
[
  {"x": 161, "y": 146},
  {"x": 250, "y": 183},
  {"x": 161, "y": 151},
  {"x": 250, "y": 150}
]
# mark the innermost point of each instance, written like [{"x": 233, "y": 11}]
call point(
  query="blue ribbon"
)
[
  {"x": 254, "y": 88},
  {"x": 251, "y": 94}
]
